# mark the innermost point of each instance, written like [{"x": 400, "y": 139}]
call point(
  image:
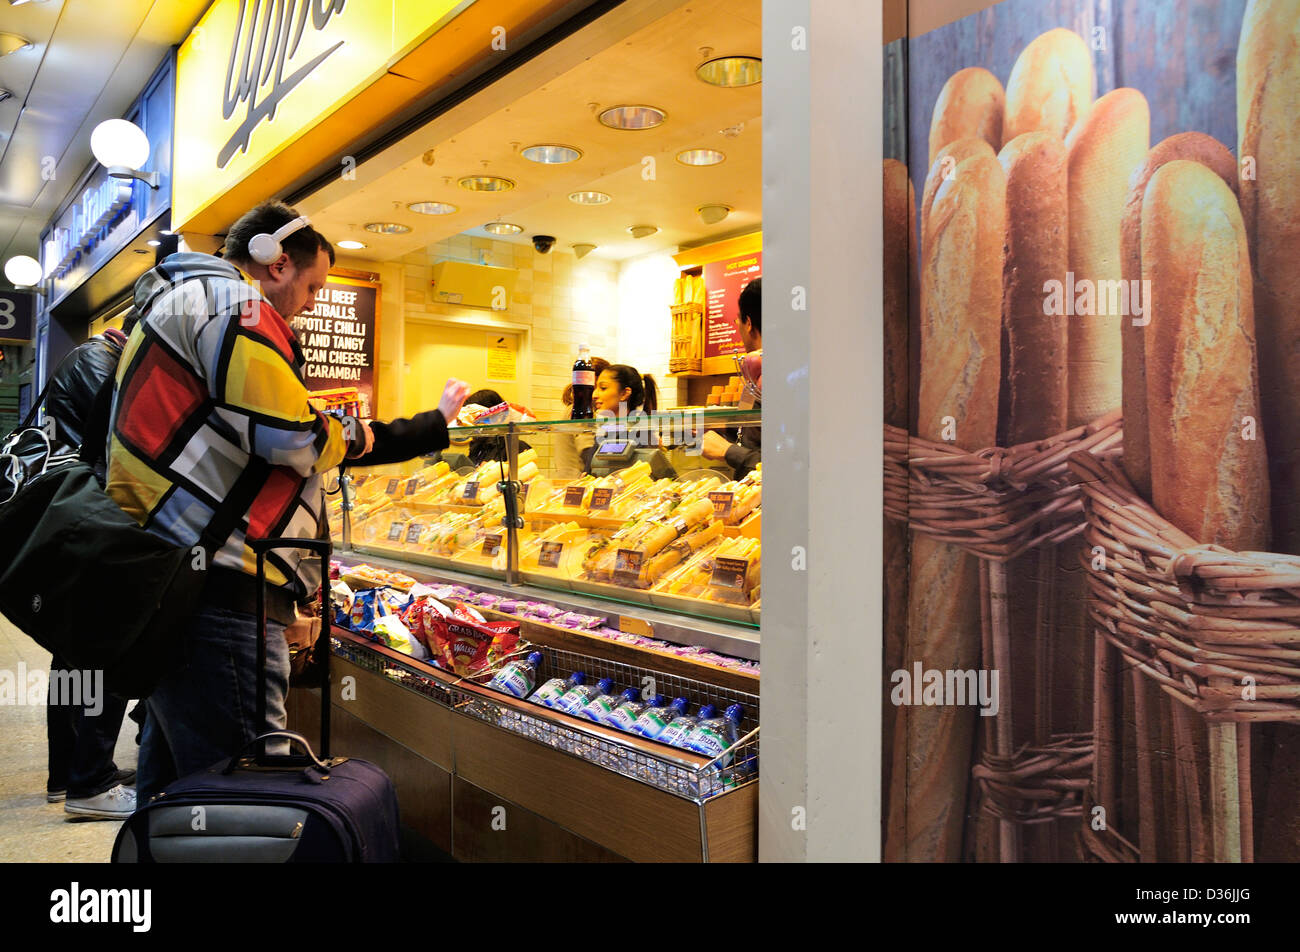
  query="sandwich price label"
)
[
  {"x": 413, "y": 532},
  {"x": 729, "y": 573},
  {"x": 412, "y": 485},
  {"x": 549, "y": 557},
  {"x": 471, "y": 490},
  {"x": 392, "y": 486},
  {"x": 395, "y": 531},
  {"x": 627, "y": 565},
  {"x": 722, "y": 503},
  {"x": 491, "y": 544},
  {"x": 602, "y": 497},
  {"x": 573, "y": 495}
]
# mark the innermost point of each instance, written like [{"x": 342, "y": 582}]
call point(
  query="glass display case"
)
[{"x": 625, "y": 510}]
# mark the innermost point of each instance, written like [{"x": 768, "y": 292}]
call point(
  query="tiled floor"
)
[{"x": 32, "y": 830}]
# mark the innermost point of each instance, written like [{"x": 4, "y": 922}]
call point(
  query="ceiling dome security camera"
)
[{"x": 543, "y": 243}]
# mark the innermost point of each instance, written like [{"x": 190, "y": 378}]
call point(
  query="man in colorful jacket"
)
[{"x": 211, "y": 425}]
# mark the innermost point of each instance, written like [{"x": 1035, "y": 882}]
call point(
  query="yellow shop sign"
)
[{"x": 256, "y": 76}]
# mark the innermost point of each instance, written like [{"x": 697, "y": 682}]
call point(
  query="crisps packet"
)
[
  {"x": 390, "y": 630},
  {"x": 468, "y": 646}
]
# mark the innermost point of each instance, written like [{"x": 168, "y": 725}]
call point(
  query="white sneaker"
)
[{"x": 115, "y": 803}]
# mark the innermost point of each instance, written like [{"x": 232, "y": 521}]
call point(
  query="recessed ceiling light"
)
[
  {"x": 13, "y": 43},
  {"x": 731, "y": 71},
  {"x": 700, "y": 157},
  {"x": 432, "y": 208},
  {"x": 632, "y": 117},
  {"x": 347, "y": 244},
  {"x": 486, "y": 183},
  {"x": 502, "y": 228},
  {"x": 167, "y": 231},
  {"x": 590, "y": 198},
  {"x": 387, "y": 228},
  {"x": 642, "y": 231},
  {"x": 154, "y": 243},
  {"x": 552, "y": 154}
]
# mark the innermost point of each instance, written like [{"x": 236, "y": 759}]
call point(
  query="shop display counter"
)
[
  {"x": 454, "y": 747},
  {"x": 669, "y": 567}
]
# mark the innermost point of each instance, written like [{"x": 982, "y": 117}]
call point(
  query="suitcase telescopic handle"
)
[
  {"x": 323, "y": 548},
  {"x": 291, "y": 736}
]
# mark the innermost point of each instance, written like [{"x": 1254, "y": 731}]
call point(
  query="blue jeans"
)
[{"x": 207, "y": 710}]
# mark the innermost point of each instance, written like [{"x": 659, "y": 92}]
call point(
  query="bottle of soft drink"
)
[
  {"x": 601, "y": 707},
  {"x": 553, "y": 689},
  {"x": 578, "y": 696},
  {"x": 684, "y": 725},
  {"x": 624, "y": 717},
  {"x": 518, "y": 677},
  {"x": 584, "y": 384},
  {"x": 713, "y": 735},
  {"x": 654, "y": 720}
]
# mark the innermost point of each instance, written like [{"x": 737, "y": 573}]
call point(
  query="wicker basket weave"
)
[
  {"x": 1198, "y": 619},
  {"x": 997, "y": 503}
]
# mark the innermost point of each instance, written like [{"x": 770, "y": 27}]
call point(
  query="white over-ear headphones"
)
[{"x": 265, "y": 249}]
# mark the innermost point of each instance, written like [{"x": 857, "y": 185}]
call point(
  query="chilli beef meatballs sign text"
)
[{"x": 338, "y": 339}]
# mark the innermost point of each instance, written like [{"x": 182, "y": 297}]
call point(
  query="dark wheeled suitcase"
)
[{"x": 258, "y": 807}]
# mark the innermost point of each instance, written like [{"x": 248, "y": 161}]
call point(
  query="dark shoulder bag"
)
[{"x": 80, "y": 577}]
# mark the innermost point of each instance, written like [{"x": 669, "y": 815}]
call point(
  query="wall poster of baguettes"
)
[{"x": 1092, "y": 213}]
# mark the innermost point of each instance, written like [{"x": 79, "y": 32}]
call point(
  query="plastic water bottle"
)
[
  {"x": 578, "y": 696},
  {"x": 601, "y": 707},
  {"x": 684, "y": 725},
  {"x": 624, "y": 716},
  {"x": 654, "y": 720},
  {"x": 712, "y": 735},
  {"x": 553, "y": 689},
  {"x": 518, "y": 677}
]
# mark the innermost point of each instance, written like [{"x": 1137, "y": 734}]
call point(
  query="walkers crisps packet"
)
[{"x": 468, "y": 645}]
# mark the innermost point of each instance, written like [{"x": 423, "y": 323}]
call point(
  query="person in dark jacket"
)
[
  {"x": 745, "y": 451},
  {"x": 81, "y": 736},
  {"x": 77, "y": 381}
]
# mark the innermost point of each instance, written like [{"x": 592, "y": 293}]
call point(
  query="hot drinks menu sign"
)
[{"x": 723, "y": 282}]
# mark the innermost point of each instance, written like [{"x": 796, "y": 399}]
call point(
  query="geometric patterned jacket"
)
[{"x": 209, "y": 406}]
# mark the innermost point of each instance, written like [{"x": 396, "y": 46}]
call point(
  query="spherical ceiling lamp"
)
[
  {"x": 23, "y": 271},
  {"x": 119, "y": 143}
]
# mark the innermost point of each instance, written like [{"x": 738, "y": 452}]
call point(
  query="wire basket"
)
[
  {"x": 686, "y": 353},
  {"x": 663, "y": 767}
]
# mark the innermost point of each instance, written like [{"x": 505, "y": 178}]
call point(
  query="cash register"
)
[{"x": 615, "y": 450}]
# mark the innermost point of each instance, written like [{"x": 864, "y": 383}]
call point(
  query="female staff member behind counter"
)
[
  {"x": 746, "y": 452},
  {"x": 621, "y": 391}
]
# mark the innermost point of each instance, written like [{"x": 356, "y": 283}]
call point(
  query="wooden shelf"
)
[{"x": 713, "y": 367}]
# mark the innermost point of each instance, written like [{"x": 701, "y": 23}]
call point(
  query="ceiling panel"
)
[
  {"x": 92, "y": 61},
  {"x": 654, "y": 64}
]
